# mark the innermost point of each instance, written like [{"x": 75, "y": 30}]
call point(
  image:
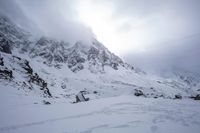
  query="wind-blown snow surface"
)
[{"x": 119, "y": 114}]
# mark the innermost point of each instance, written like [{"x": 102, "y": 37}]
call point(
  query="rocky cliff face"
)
[
  {"x": 15, "y": 41},
  {"x": 11, "y": 34},
  {"x": 75, "y": 56},
  {"x": 56, "y": 53},
  {"x": 18, "y": 72}
]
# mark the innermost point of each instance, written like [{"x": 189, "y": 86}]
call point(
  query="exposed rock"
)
[
  {"x": 114, "y": 66},
  {"x": 5, "y": 45},
  {"x": 138, "y": 93},
  {"x": 27, "y": 67},
  {"x": 14, "y": 67},
  {"x": 95, "y": 92},
  {"x": 6, "y": 74},
  {"x": 46, "y": 102},
  {"x": 80, "y": 97},
  {"x": 178, "y": 96},
  {"x": 40, "y": 82},
  {"x": 197, "y": 97},
  {"x": 1, "y": 61},
  {"x": 75, "y": 61}
]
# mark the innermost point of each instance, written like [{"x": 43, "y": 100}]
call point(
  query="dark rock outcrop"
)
[
  {"x": 5, "y": 45},
  {"x": 197, "y": 97},
  {"x": 178, "y": 96},
  {"x": 138, "y": 93}
]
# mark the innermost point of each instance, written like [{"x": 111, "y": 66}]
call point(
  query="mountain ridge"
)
[{"x": 59, "y": 69}]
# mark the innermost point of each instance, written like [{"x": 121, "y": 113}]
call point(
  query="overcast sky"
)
[{"x": 152, "y": 34}]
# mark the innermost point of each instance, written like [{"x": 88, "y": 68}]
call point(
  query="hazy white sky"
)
[
  {"x": 148, "y": 33},
  {"x": 126, "y": 26},
  {"x": 156, "y": 34}
]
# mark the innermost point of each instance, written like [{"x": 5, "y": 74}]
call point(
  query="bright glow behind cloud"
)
[{"x": 109, "y": 30}]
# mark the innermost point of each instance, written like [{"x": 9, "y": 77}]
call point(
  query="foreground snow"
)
[{"x": 115, "y": 114}]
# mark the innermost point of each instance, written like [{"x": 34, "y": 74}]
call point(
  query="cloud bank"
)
[{"x": 153, "y": 35}]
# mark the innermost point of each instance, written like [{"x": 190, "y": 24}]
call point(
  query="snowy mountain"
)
[
  {"x": 46, "y": 67},
  {"x": 39, "y": 71}
]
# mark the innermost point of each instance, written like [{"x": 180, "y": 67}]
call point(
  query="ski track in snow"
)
[{"x": 131, "y": 116}]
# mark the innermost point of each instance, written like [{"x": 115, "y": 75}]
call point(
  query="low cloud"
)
[
  {"x": 55, "y": 19},
  {"x": 153, "y": 35}
]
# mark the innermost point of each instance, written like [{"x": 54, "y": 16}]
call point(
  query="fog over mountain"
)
[
  {"x": 154, "y": 35},
  {"x": 95, "y": 66},
  {"x": 51, "y": 18}
]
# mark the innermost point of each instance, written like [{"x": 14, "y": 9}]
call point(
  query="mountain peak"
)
[{"x": 76, "y": 56}]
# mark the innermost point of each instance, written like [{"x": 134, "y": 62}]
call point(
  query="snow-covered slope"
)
[
  {"x": 122, "y": 114},
  {"x": 58, "y": 70}
]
